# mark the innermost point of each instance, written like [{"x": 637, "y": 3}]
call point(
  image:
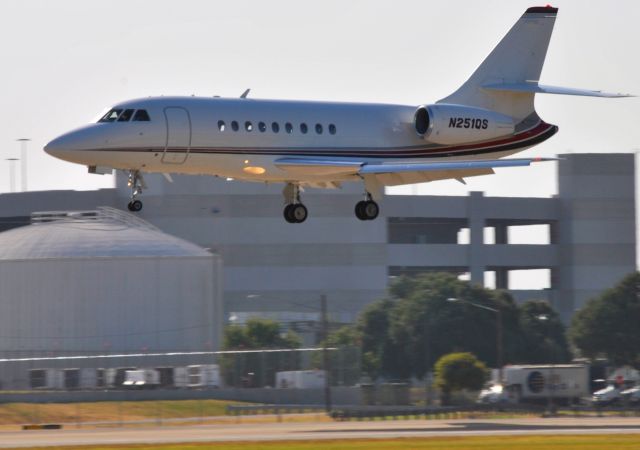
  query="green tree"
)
[
  {"x": 258, "y": 334},
  {"x": 427, "y": 325},
  {"x": 381, "y": 355},
  {"x": 345, "y": 336},
  {"x": 458, "y": 371},
  {"x": 404, "y": 335},
  {"x": 544, "y": 334},
  {"x": 608, "y": 324},
  {"x": 346, "y": 359},
  {"x": 258, "y": 368}
]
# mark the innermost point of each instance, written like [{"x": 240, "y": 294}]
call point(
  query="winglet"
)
[{"x": 245, "y": 93}]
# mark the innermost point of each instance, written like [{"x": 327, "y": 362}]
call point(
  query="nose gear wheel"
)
[{"x": 136, "y": 183}]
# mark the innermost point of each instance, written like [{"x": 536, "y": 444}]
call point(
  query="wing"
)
[{"x": 393, "y": 174}]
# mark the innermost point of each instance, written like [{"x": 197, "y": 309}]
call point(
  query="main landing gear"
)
[
  {"x": 136, "y": 183},
  {"x": 294, "y": 211},
  {"x": 367, "y": 209}
]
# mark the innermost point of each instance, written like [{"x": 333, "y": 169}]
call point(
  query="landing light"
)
[{"x": 254, "y": 170}]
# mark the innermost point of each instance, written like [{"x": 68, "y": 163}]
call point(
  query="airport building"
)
[{"x": 274, "y": 269}]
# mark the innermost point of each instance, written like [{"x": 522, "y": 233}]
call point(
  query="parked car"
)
[
  {"x": 606, "y": 396},
  {"x": 493, "y": 394},
  {"x": 631, "y": 395}
]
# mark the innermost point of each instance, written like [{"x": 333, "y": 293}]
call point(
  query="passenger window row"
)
[
  {"x": 275, "y": 127},
  {"x": 125, "y": 115}
]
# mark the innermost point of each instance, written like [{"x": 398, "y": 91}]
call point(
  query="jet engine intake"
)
[{"x": 457, "y": 124}]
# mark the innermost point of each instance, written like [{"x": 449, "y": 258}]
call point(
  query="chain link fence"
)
[{"x": 169, "y": 387}]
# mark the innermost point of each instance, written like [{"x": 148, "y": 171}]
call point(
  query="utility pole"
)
[
  {"x": 23, "y": 163},
  {"x": 499, "y": 344},
  {"x": 12, "y": 173},
  {"x": 427, "y": 356},
  {"x": 325, "y": 354}
]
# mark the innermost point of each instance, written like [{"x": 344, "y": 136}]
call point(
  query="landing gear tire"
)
[
  {"x": 295, "y": 213},
  {"x": 137, "y": 184},
  {"x": 367, "y": 210},
  {"x": 135, "y": 205}
]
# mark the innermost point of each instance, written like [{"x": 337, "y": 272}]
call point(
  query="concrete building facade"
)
[{"x": 280, "y": 270}]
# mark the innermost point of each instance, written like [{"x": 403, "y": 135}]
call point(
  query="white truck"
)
[
  {"x": 141, "y": 379},
  {"x": 301, "y": 379},
  {"x": 561, "y": 383}
]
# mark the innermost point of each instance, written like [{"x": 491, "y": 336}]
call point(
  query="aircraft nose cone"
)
[
  {"x": 56, "y": 147},
  {"x": 67, "y": 146}
]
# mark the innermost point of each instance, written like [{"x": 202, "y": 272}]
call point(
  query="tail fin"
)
[{"x": 517, "y": 59}]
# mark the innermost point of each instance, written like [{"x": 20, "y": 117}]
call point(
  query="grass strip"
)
[{"x": 581, "y": 442}]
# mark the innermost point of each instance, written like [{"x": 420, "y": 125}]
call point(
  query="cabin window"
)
[
  {"x": 288, "y": 128},
  {"x": 303, "y": 128},
  {"x": 126, "y": 115},
  {"x": 111, "y": 116},
  {"x": 318, "y": 128},
  {"x": 262, "y": 127},
  {"x": 248, "y": 126},
  {"x": 221, "y": 125},
  {"x": 234, "y": 126},
  {"x": 332, "y": 128},
  {"x": 141, "y": 115},
  {"x": 275, "y": 127}
]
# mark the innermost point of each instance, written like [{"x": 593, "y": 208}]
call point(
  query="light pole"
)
[
  {"x": 12, "y": 173},
  {"x": 427, "y": 355},
  {"x": 498, "y": 313},
  {"x": 551, "y": 385},
  {"x": 23, "y": 163}
]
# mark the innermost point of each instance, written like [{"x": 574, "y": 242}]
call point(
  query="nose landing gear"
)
[
  {"x": 136, "y": 183},
  {"x": 294, "y": 211}
]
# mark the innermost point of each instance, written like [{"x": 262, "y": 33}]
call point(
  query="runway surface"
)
[{"x": 319, "y": 430}]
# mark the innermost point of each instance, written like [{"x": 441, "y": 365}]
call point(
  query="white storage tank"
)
[{"x": 105, "y": 281}]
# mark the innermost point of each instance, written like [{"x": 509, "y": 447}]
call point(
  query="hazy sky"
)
[{"x": 65, "y": 61}]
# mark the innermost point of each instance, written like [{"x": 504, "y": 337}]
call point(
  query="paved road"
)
[{"x": 319, "y": 430}]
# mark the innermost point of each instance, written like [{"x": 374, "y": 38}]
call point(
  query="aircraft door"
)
[{"x": 178, "y": 142}]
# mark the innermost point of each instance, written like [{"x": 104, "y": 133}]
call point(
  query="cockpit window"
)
[
  {"x": 126, "y": 115},
  {"x": 111, "y": 116},
  {"x": 141, "y": 115}
]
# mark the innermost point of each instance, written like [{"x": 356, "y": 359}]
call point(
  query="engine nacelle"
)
[{"x": 457, "y": 124}]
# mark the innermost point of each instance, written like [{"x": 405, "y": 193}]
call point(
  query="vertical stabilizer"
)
[{"x": 518, "y": 58}]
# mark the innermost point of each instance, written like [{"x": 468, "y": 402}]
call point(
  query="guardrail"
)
[
  {"x": 452, "y": 412},
  {"x": 250, "y": 410},
  {"x": 416, "y": 412}
]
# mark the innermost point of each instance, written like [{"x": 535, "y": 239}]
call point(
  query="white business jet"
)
[{"x": 324, "y": 144}]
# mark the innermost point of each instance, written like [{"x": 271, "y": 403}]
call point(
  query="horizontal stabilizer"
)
[
  {"x": 449, "y": 166},
  {"x": 535, "y": 88}
]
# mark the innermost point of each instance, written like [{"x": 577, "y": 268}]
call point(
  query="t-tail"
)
[{"x": 507, "y": 80}]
